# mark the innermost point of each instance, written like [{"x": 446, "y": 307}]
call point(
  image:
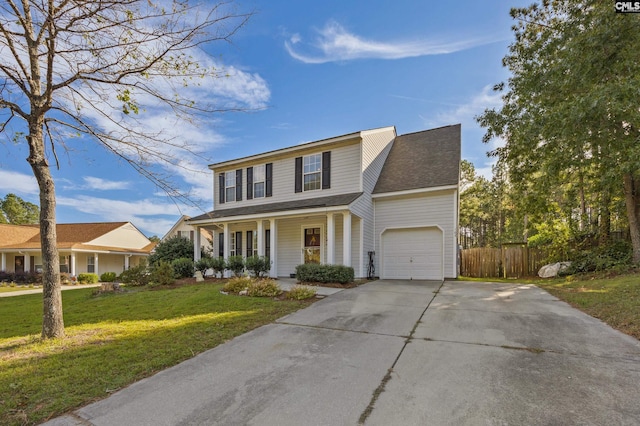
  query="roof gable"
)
[{"x": 421, "y": 160}]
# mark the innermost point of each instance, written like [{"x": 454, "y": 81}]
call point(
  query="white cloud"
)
[
  {"x": 335, "y": 43},
  {"x": 100, "y": 184},
  {"x": 15, "y": 182}
]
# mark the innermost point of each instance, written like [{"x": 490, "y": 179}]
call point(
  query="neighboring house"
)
[
  {"x": 83, "y": 247},
  {"x": 335, "y": 200},
  {"x": 183, "y": 229}
]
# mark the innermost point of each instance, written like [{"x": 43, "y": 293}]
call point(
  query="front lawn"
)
[
  {"x": 614, "y": 300},
  {"x": 112, "y": 341}
]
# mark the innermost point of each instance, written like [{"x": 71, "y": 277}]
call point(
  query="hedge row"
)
[{"x": 312, "y": 272}]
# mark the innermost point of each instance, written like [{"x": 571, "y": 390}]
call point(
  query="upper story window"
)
[
  {"x": 259, "y": 177},
  {"x": 312, "y": 172},
  {"x": 230, "y": 186}
]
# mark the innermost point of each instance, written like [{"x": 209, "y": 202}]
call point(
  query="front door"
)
[
  {"x": 19, "y": 264},
  {"x": 312, "y": 245}
]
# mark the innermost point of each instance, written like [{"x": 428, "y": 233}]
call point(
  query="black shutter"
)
[
  {"x": 239, "y": 185},
  {"x": 298, "y": 175},
  {"x": 249, "y": 183},
  {"x": 249, "y": 243},
  {"x": 268, "y": 172},
  {"x": 239, "y": 243},
  {"x": 267, "y": 243},
  {"x": 221, "y": 244},
  {"x": 191, "y": 236},
  {"x": 221, "y": 187},
  {"x": 326, "y": 170}
]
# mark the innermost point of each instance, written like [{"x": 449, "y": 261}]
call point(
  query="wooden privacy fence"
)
[{"x": 510, "y": 261}]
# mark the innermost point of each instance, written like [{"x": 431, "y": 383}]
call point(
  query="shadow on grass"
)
[{"x": 40, "y": 380}]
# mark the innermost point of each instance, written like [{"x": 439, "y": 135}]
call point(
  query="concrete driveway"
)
[{"x": 400, "y": 353}]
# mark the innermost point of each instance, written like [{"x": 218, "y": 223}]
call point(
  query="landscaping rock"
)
[{"x": 552, "y": 270}]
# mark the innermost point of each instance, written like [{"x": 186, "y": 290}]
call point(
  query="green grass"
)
[
  {"x": 614, "y": 300},
  {"x": 112, "y": 340}
]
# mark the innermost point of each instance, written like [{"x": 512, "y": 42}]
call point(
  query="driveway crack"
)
[{"x": 376, "y": 393}]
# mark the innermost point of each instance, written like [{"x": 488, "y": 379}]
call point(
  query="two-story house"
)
[{"x": 336, "y": 200}]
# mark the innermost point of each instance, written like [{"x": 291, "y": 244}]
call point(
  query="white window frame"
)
[
  {"x": 91, "y": 264},
  {"x": 307, "y": 170},
  {"x": 322, "y": 240},
  {"x": 230, "y": 177},
  {"x": 232, "y": 243},
  {"x": 263, "y": 180}
]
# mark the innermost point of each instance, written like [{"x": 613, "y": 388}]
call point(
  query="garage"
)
[{"x": 412, "y": 254}]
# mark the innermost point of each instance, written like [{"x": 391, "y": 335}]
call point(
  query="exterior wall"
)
[
  {"x": 206, "y": 237},
  {"x": 426, "y": 209},
  {"x": 127, "y": 236},
  {"x": 375, "y": 149},
  {"x": 345, "y": 176}
]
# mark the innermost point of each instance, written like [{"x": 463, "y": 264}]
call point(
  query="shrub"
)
[
  {"x": 6, "y": 276},
  {"x": 236, "y": 285},
  {"x": 162, "y": 273},
  {"x": 203, "y": 265},
  {"x": 183, "y": 268},
  {"x": 614, "y": 255},
  {"x": 108, "y": 277},
  {"x": 312, "y": 272},
  {"x": 301, "y": 292},
  {"x": 258, "y": 265},
  {"x": 136, "y": 275},
  {"x": 172, "y": 249},
  {"x": 88, "y": 278},
  {"x": 218, "y": 265},
  {"x": 64, "y": 278},
  {"x": 263, "y": 288},
  {"x": 235, "y": 264}
]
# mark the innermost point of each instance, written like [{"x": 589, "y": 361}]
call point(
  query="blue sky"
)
[{"x": 309, "y": 70}]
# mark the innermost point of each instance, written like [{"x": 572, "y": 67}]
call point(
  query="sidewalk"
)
[{"x": 39, "y": 290}]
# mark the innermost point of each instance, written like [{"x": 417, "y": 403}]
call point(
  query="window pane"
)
[
  {"x": 258, "y": 190},
  {"x": 230, "y": 194},
  {"x": 230, "y": 179},
  {"x": 312, "y": 181},
  {"x": 312, "y": 163},
  {"x": 258, "y": 173}
]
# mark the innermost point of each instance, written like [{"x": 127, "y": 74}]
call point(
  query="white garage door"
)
[{"x": 412, "y": 254}]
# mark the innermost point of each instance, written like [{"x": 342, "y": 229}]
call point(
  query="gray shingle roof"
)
[
  {"x": 425, "y": 159},
  {"x": 331, "y": 201}
]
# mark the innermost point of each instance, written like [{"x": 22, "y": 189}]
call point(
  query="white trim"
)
[
  {"x": 288, "y": 213},
  {"x": 381, "y": 263},
  {"x": 414, "y": 191},
  {"x": 362, "y": 248},
  {"x": 278, "y": 152}
]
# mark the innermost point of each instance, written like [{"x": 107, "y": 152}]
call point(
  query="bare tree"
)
[{"x": 86, "y": 69}]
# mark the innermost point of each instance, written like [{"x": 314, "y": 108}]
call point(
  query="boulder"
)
[
  {"x": 199, "y": 277},
  {"x": 552, "y": 270}
]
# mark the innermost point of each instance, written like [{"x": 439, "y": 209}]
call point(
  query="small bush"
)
[
  {"x": 236, "y": 265},
  {"x": 218, "y": 265},
  {"x": 136, "y": 275},
  {"x": 301, "y": 292},
  {"x": 108, "y": 277},
  {"x": 258, "y": 265},
  {"x": 263, "y": 288},
  {"x": 183, "y": 268},
  {"x": 88, "y": 278},
  {"x": 236, "y": 285},
  {"x": 615, "y": 255},
  {"x": 203, "y": 265},
  {"x": 312, "y": 272},
  {"x": 162, "y": 273}
]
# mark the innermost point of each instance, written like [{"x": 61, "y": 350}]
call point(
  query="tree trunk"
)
[
  {"x": 604, "y": 231},
  {"x": 632, "y": 201},
  {"x": 52, "y": 320}
]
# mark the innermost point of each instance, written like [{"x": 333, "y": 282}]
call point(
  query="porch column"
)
[
  {"x": 72, "y": 266},
  {"x": 273, "y": 241},
  {"x": 197, "y": 250},
  {"x": 126, "y": 261},
  {"x": 260, "y": 232},
  {"x": 27, "y": 262},
  {"x": 3, "y": 263},
  {"x": 346, "y": 238},
  {"x": 227, "y": 245},
  {"x": 331, "y": 240},
  {"x": 95, "y": 263}
]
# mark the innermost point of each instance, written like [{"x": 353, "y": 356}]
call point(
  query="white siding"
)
[
  {"x": 421, "y": 210},
  {"x": 127, "y": 236},
  {"x": 376, "y": 145},
  {"x": 345, "y": 177}
]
